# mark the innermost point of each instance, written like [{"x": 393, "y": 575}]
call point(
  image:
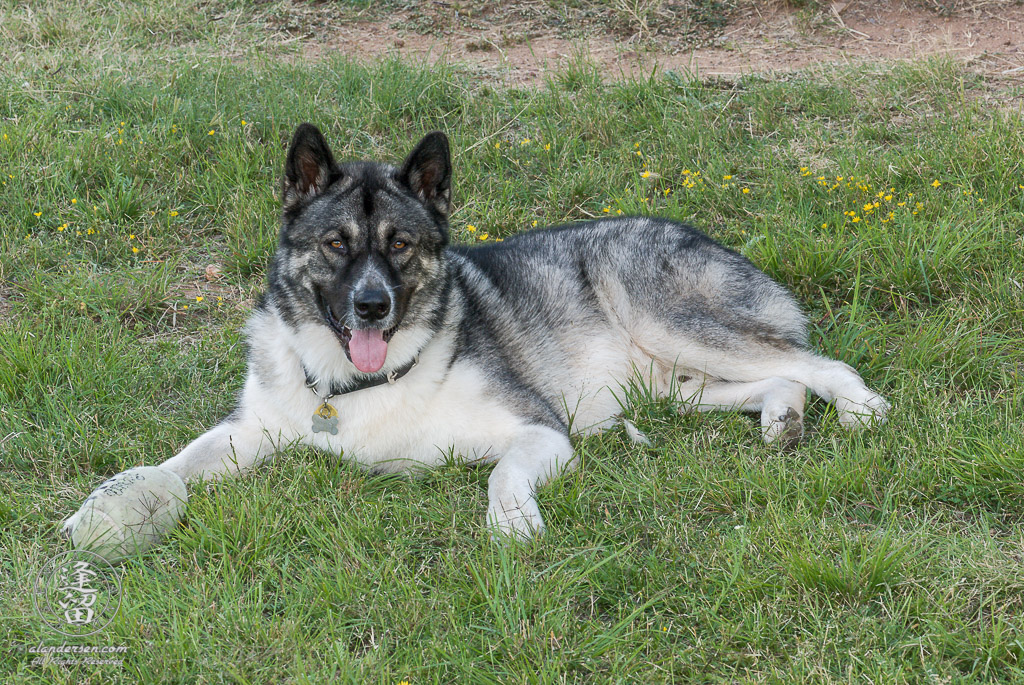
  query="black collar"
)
[{"x": 361, "y": 383}]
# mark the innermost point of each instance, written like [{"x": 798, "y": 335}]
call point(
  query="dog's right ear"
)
[{"x": 309, "y": 167}]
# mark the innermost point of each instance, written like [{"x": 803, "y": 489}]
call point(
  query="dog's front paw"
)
[
  {"x": 128, "y": 513},
  {"x": 516, "y": 521},
  {"x": 869, "y": 410}
]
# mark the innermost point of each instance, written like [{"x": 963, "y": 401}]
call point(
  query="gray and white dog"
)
[{"x": 380, "y": 341}]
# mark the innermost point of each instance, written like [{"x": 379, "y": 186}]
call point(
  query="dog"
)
[{"x": 379, "y": 340}]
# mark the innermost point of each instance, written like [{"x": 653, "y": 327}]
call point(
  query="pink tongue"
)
[{"x": 368, "y": 349}]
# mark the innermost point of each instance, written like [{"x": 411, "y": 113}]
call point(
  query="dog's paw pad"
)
[{"x": 786, "y": 429}]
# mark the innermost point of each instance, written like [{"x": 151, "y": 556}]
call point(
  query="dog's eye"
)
[
  {"x": 399, "y": 245},
  {"x": 337, "y": 245}
]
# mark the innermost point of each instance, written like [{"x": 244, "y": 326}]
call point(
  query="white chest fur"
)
[
  {"x": 423, "y": 418},
  {"x": 420, "y": 420}
]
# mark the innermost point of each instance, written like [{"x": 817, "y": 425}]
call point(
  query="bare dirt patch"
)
[
  {"x": 757, "y": 38},
  {"x": 6, "y": 298}
]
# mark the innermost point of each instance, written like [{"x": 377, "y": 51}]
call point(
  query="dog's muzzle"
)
[{"x": 366, "y": 348}]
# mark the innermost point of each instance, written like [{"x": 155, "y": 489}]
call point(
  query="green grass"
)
[{"x": 891, "y": 555}]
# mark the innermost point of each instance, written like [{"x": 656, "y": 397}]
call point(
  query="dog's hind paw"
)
[
  {"x": 518, "y": 522},
  {"x": 636, "y": 436},
  {"x": 870, "y": 410},
  {"x": 785, "y": 430}
]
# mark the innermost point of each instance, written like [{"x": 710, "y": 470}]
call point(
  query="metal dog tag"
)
[{"x": 325, "y": 419}]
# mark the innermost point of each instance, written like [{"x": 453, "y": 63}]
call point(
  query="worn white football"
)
[{"x": 128, "y": 513}]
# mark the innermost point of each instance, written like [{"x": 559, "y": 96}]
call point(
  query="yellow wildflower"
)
[
  {"x": 935, "y": 183},
  {"x": 482, "y": 236},
  {"x": 471, "y": 228}
]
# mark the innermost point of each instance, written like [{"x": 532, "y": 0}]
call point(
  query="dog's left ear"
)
[{"x": 428, "y": 172}]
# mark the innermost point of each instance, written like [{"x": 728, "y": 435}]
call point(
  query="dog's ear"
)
[
  {"x": 309, "y": 167},
  {"x": 428, "y": 172}
]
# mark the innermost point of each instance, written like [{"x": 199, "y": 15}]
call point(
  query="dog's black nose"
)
[{"x": 372, "y": 305}]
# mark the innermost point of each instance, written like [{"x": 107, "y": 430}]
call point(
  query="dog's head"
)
[{"x": 361, "y": 242}]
